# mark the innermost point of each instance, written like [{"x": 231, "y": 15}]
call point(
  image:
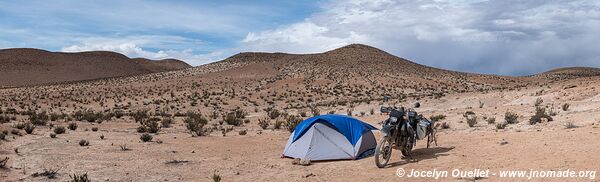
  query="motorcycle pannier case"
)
[{"x": 422, "y": 128}]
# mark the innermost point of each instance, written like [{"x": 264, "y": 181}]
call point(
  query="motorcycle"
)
[{"x": 400, "y": 131}]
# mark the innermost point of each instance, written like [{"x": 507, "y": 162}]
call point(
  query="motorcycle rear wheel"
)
[{"x": 383, "y": 152}]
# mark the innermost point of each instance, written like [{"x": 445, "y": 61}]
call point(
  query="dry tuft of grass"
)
[
  {"x": 511, "y": 118},
  {"x": 79, "y": 178},
  {"x": 146, "y": 137},
  {"x": 3, "y": 162}
]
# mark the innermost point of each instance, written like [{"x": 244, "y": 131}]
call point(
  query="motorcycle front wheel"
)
[{"x": 383, "y": 152}]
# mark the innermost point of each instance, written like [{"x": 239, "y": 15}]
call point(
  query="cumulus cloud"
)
[
  {"x": 490, "y": 36},
  {"x": 148, "y": 47},
  {"x": 300, "y": 37},
  {"x": 195, "y": 31}
]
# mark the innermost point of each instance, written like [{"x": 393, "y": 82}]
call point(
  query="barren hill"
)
[
  {"x": 20, "y": 67},
  {"x": 360, "y": 68},
  {"x": 569, "y": 73}
]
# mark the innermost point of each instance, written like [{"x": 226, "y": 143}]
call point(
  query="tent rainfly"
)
[{"x": 331, "y": 137}]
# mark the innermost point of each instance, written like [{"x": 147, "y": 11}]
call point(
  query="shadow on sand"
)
[
  {"x": 418, "y": 155},
  {"x": 422, "y": 154}
]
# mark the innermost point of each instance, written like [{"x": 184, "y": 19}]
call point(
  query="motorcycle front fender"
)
[{"x": 385, "y": 130}]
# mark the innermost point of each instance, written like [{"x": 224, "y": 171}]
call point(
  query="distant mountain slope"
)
[
  {"x": 569, "y": 73},
  {"x": 371, "y": 69},
  {"x": 23, "y": 66}
]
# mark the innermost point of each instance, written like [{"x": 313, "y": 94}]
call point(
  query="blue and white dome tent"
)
[{"x": 331, "y": 137}]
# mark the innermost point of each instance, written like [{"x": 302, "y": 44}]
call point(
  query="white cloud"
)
[
  {"x": 300, "y": 37},
  {"x": 134, "y": 46},
  {"x": 495, "y": 36},
  {"x": 128, "y": 49}
]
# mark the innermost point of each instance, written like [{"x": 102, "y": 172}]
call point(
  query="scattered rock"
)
[
  {"x": 304, "y": 162},
  {"x": 309, "y": 175},
  {"x": 296, "y": 161}
]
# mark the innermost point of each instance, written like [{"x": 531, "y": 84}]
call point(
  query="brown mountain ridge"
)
[{"x": 25, "y": 66}]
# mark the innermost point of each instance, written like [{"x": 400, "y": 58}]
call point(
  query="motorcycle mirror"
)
[{"x": 417, "y": 105}]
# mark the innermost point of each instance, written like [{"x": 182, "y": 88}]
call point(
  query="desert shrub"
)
[
  {"x": 240, "y": 113},
  {"x": 263, "y": 123},
  {"x": 166, "y": 122},
  {"x": 142, "y": 129},
  {"x": 491, "y": 120},
  {"x": 315, "y": 111},
  {"x": 94, "y": 128},
  {"x": 139, "y": 115},
  {"x": 232, "y": 119},
  {"x": 511, "y": 118},
  {"x": 438, "y": 117},
  {"x": 20, "y": 125},
  {"x": 362, "y": 113},
  {"x": 303, "y": 114},
  {"x": 551, "y": 112},
  {"x": 150, "y": 125},
  {"x": 52, "y": 135},
  {"x": 146, "y": 137},
  {"x": 195, "y": 122},
  {"x": 243, "y": 132},
  {"x": 224, "y": 131},
  {"x": 277, "y": 124},
  {"x": 87, "y": 115},
  {"x": 29, "y": 128},
  {"x": 570, "y": 125},
  {"x": 83, "y": 143},
  {"x": 565, "y": 107},
  {"x": 538, "y": 102},
  {"x": 273, "y": 113},
  {"x": 292, "y": 122},
  {"x": 372, "y": 111},
  {"x": 39, "y": 119},
  {"x": 349, "y": 112},
  {"x": 54, "y": 116},
  {"x": 15, "y": 132},
  {"x": 540, "y": 112},
  {"x": 119, "y": 114},
  {"x": 2, "y": 136},
  {"x": 501, "y": 125},
  {"x": 471, "y": 121},
  {"x": 78, "y": 115},
  {"x": 72, "y": 126},
  {"x": 481, "y": 104},
  {"x": 216, "y": 177},
  {"x": 102, "y": 137},
  {"x": 471, "y": 118},
  {"x": 79, "y": 178},
  {"x": 4, "y": 119}
]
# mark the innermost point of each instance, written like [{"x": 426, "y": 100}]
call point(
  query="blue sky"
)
[{"x": 507, "y": 37}]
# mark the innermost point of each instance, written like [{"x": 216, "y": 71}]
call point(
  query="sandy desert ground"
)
[
  {"x": 235, "y": 95},
  {"x": 256, "y": 156}
]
